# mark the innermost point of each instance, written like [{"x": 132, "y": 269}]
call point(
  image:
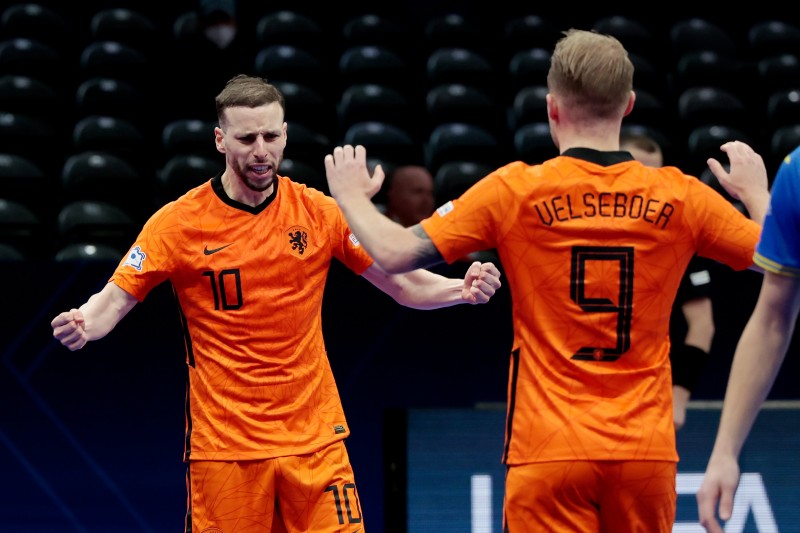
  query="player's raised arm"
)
[{"x": 395, "y": 248}]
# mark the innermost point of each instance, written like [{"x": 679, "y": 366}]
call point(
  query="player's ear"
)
[{"x": 631, "y": 101}]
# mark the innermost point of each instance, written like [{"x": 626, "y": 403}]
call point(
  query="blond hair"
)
[{"x": 591, "y": 72}]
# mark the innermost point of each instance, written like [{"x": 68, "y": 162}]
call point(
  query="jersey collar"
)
[{"x": 605, "y": 159}]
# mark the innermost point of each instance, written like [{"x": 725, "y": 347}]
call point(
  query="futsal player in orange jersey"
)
[
  {"x": 593, "y": 244},
  {"x": 247, "y": 254}
]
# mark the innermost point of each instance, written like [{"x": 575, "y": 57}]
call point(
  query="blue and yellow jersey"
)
[{"x": 778, "y": 250}]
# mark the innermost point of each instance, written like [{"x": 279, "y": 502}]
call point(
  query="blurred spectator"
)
[
  {"x": 410, "y": 197},
  {"x": 409, "y": 194},
  {"x": 218, "y": 22},
  {"x": 208, "y": 52}
]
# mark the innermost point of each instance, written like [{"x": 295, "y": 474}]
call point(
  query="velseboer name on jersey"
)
[{"x": 565, "y": 207}]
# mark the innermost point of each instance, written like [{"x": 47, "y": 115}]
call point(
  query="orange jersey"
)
[
  {"x": 593, "y": 245},
  {"x": 249, "y": 283}
]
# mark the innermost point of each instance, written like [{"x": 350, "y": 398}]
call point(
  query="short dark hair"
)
[{"x": 247, "y": 91}]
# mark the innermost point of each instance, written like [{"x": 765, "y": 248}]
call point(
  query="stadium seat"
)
[
  {"x": 182, "y": 172},
  {"x": 96, "y": 222},
  {"x": 185, "y": 25},
  {"x": 377, "y": 30},
  {"x": 528, "y": 67},
  {"x": 129, "y": 27},
  {"x": 462, "y": 142},
  {"x": 306, "y": 143},
  {"x": 461, "y": 65},
  {"x": 291, "y": 27},
  {"x": 22, "y": 228},
  {"x": 529, "y": 105},
  {"x": 783, "y": 107},
  {"x": 698, "y": 68},
  {"x": 696, "y": 33},
  {"x": 30, "y": 96},
  {"x": 457, "y": 102},
  {"x": 307, "y": 172},
  {"x": 113, "y": 135},
  {"x": 33, "y": 58},
  {"x": 25, "y": 135},
  {"x": 22, "y": 180},
  {"x": 371, "y": 101},
  {"x": 284, "y": 62},
  {"x": 94, "y": 175},
  {"x": 651, "y": 110},
  {"x": 112, "y": 97},
  {"x": 699, "y": 106},
  {"x": 115, "y": 60},
  {"x": 10, "y": 253},
  {"x": 87, "y": 251},
  {"x": 778, "y": 72},
  {"x": 189, "y": 136},
  {"x": 533, "y": 143},
  {"x": 635, "y": 36},
  {"x": 384, "y": 141},
  {"x": 454, "y": 30},
  {"x": 704, "y": 142},
  {"x": 647, "y": 76},
  {"x": 529, "y": 31},
  {"x": 371, "y": 64},
  {"x": 455, "y": 177},
  {"x": 773, "y": 37},
  {"x": 783, "y": 140},
  {"x": 308, "y": 106},
  {"x": 34, "y": 20}
]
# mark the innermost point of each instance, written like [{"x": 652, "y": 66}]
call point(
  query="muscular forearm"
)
[
  {"x": 418, "y": 289},
  {"x": 104, "y": 310},
  {"x": 390, "y": 244},
  {"x": 421, "y": 289}
]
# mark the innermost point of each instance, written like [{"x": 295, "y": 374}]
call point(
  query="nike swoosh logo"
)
[{"x": 215, "y": 250}]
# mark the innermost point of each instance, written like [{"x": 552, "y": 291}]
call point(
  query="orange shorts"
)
[
  {"x": 314, "y": 493},
  {"x": 591, "y": 497}
]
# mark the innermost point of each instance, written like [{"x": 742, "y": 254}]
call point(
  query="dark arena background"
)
[{"x": 92, "y": 441}]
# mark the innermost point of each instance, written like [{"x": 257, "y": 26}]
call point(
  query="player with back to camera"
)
[
  {"x": 247, "y": 254},
  {"x": 594, "y": 245}
]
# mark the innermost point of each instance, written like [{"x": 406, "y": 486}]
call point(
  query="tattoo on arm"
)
[{"x": 426, "y": 254}]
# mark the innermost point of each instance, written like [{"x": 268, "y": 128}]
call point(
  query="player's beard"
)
[{"x": 261, "y": 184}]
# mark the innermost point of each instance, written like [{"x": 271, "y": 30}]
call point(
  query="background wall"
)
[{"x": 454, "y": 486}]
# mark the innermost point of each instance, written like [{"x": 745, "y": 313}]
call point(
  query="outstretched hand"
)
[
  {"x": 747, "y": 174},
  {"x": 69, "y": 328},
  {"x": 347, "y": 172},
  {"x": 480, "y": 283}
]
